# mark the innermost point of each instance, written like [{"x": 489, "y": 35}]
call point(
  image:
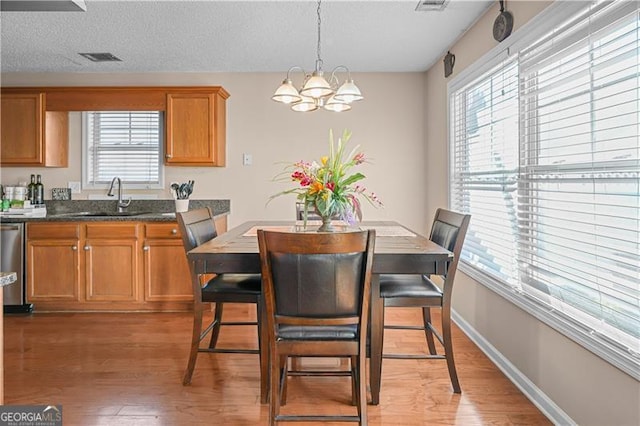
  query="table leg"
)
[
  {"x": 264, "y": 352},
  {"x": 377, "y": 335}
]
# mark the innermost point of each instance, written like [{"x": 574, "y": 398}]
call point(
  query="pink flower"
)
[
  {"x": 359, "y": 158},
  {"x": 330, "y": 185}
]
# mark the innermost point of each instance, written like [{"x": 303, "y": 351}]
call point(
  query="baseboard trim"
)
[{"x": 545, "y": 404}]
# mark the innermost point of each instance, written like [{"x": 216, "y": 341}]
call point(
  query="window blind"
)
[
  {"x": 545, "y": 156},
  {"x": 125, "y": 144},
  {"x": 484, "y": 168},
  {"x": 579, "y": 213}
]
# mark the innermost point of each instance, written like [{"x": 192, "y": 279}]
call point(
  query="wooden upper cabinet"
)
[
  {"x": 196, "y": 128},
  {"x": 35, "y": 121},
  {"x": 30, "y": 135}
]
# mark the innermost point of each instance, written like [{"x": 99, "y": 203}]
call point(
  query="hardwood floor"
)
[{"x": 126, "y": 369}]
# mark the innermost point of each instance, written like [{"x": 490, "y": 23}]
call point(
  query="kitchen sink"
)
[
  {"x": 102, "y": 214},
  {"x": 116, "y": 213}
]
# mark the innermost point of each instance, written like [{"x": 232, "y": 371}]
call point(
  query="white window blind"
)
[
  {"x": 579, "y": 215},
  {"x": 485, "y": 167},
  {"x": 124, "y": 144},
  {"x": 546, "y": 158}
]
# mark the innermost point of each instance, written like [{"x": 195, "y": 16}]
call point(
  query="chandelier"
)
[{"x": 316, "y": 91}]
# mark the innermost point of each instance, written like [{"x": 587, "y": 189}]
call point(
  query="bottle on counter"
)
[
  {"x": 31, "y": 190},
  {"x": 39, "y": 195}
]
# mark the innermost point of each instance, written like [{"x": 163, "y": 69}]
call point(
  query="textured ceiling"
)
[{"x": 234, "y": 36}]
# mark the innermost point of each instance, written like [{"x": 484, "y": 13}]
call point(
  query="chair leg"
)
[
  {"x": 263, "y": 346},
  {"x": 284, "y": 373},
  {"x": 274, "y": 382},
  {"x": 195, "y": 343},
  {"x": 361, "y": 361},
  {"x": 354, "y": 380},
  {"x": 217, "y": 320},
  {"x": 448, "y": 350},
  {"x": 426, "y": 320}
]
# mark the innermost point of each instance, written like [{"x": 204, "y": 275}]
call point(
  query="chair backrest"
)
[
  {"x": 318, "y": 278},
  {"x": 197, "y": 227},
  {"x": 449, "y": 230}
]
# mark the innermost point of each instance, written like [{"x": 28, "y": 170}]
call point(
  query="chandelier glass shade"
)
[{"x": 316, "y": 91}]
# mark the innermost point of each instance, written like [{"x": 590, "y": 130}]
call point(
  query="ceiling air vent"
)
[
  {"x": 43, "y": 6},
  {"x": 101, "y": 57},
  {"x": 431, "y": 5}
]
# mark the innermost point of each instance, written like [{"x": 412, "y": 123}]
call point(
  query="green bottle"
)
[
  {"x": 31, "y": 190},
  {"x": 39, "y": 198}
]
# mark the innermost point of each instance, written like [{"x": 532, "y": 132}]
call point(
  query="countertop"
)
[{"x": 139, "y": 210}]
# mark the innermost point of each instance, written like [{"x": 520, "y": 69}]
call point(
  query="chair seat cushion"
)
[
  {"x": 329, "y": 332},
  {"x": 234, "y": 284},
  {"x": 407, "y": 285}
]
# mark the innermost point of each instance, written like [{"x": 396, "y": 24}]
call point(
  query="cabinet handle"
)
[
  {"x": 174, "y": 231},
  {"x": 168, "y": 156},
  {"x": 74, "y": 248},
  {"x": 145, "y": 248},
  {"x": 86, "y": 248}
]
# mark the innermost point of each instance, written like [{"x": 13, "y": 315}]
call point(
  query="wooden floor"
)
[{"x": 126, "y": 369}]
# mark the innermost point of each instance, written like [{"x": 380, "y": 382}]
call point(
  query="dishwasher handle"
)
[{"x": 6, "y": 227}]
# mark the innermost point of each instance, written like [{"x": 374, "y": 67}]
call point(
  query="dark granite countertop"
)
[{"x": 139, "y": 210}]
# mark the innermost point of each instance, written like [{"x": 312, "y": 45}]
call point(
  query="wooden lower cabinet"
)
[
  {"x": 108, "y": 266},
  {"x": 53, "y": 263},
  {"x": 166, "y": 271},
  {"x": 111, "y": 262}
]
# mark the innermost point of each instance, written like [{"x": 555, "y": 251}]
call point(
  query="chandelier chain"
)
[{"x": 319, "y": 22}]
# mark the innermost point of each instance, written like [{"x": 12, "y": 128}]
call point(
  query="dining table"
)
[{"x": 398, "y": 250}]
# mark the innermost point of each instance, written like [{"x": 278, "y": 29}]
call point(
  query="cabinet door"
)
[
  {"x": 53, "y": 262},
  {"x": 166, "y": 271},
  {"x": 196, "y": 129},
  {"x": 22, "y": 129},
  {"x": 46, "y": 283},
  {"x": 31, "y": 136},
  {"x": 111, "y": 262}
]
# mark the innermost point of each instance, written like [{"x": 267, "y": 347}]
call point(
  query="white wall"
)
[
  {"x": 388, "y": 124},
  {"x": 588, "y": 389}
]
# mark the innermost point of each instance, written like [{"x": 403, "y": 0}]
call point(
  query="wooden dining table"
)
[{"x": 398, "y": 250}]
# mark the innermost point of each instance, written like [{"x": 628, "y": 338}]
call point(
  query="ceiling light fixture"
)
[{"x": 316, "y": 91}]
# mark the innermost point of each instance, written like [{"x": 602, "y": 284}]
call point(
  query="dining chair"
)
[
  {"x": 197, "y": 227},
  {"x": 317, "y": 289},
  {"x": 411, "y": 290}
]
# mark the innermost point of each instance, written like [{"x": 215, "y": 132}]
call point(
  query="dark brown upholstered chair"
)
[
  {"x": 448, "y": 230},
  {"x": 197, "y": 227},
  {"x": 317, "y": 289}
]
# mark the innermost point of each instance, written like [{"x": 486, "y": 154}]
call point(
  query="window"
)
[
  {"x": 125, "y": 144},
  {"x": 545, "y": 156}
]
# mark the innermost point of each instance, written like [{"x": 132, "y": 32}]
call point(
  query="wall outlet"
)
[{"x": 75, "y": 187}]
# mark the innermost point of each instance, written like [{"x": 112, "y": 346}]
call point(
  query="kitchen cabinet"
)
[
  {"x": 166, "y": 271},
  {"x": 196, "y": 128},
  {"x": 53, "y": 262},
  {"x": 30, "y": 135},
  {"x": 108, "y": 266},
  {"x": 111, "y": 261}
]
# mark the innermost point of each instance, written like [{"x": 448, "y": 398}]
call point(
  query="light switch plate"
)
[
  {"x": 247, "y": 159},
  {"x": 75, "y": 187}
]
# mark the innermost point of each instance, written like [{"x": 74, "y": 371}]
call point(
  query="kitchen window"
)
[
  {"x": 127, "y": 144},
  {"x": 545, "y": 156}
]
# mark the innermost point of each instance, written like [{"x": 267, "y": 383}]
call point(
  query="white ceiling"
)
[{"x": 234, "y": 36}]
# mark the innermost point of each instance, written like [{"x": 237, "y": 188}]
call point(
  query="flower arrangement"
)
[{"x": 329, "y": 187}]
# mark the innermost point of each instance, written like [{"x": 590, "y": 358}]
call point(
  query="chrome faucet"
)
[{"x": 121, "y": 204}]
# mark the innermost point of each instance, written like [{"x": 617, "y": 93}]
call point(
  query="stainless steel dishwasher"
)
[{"x": 12, "y": 260}]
